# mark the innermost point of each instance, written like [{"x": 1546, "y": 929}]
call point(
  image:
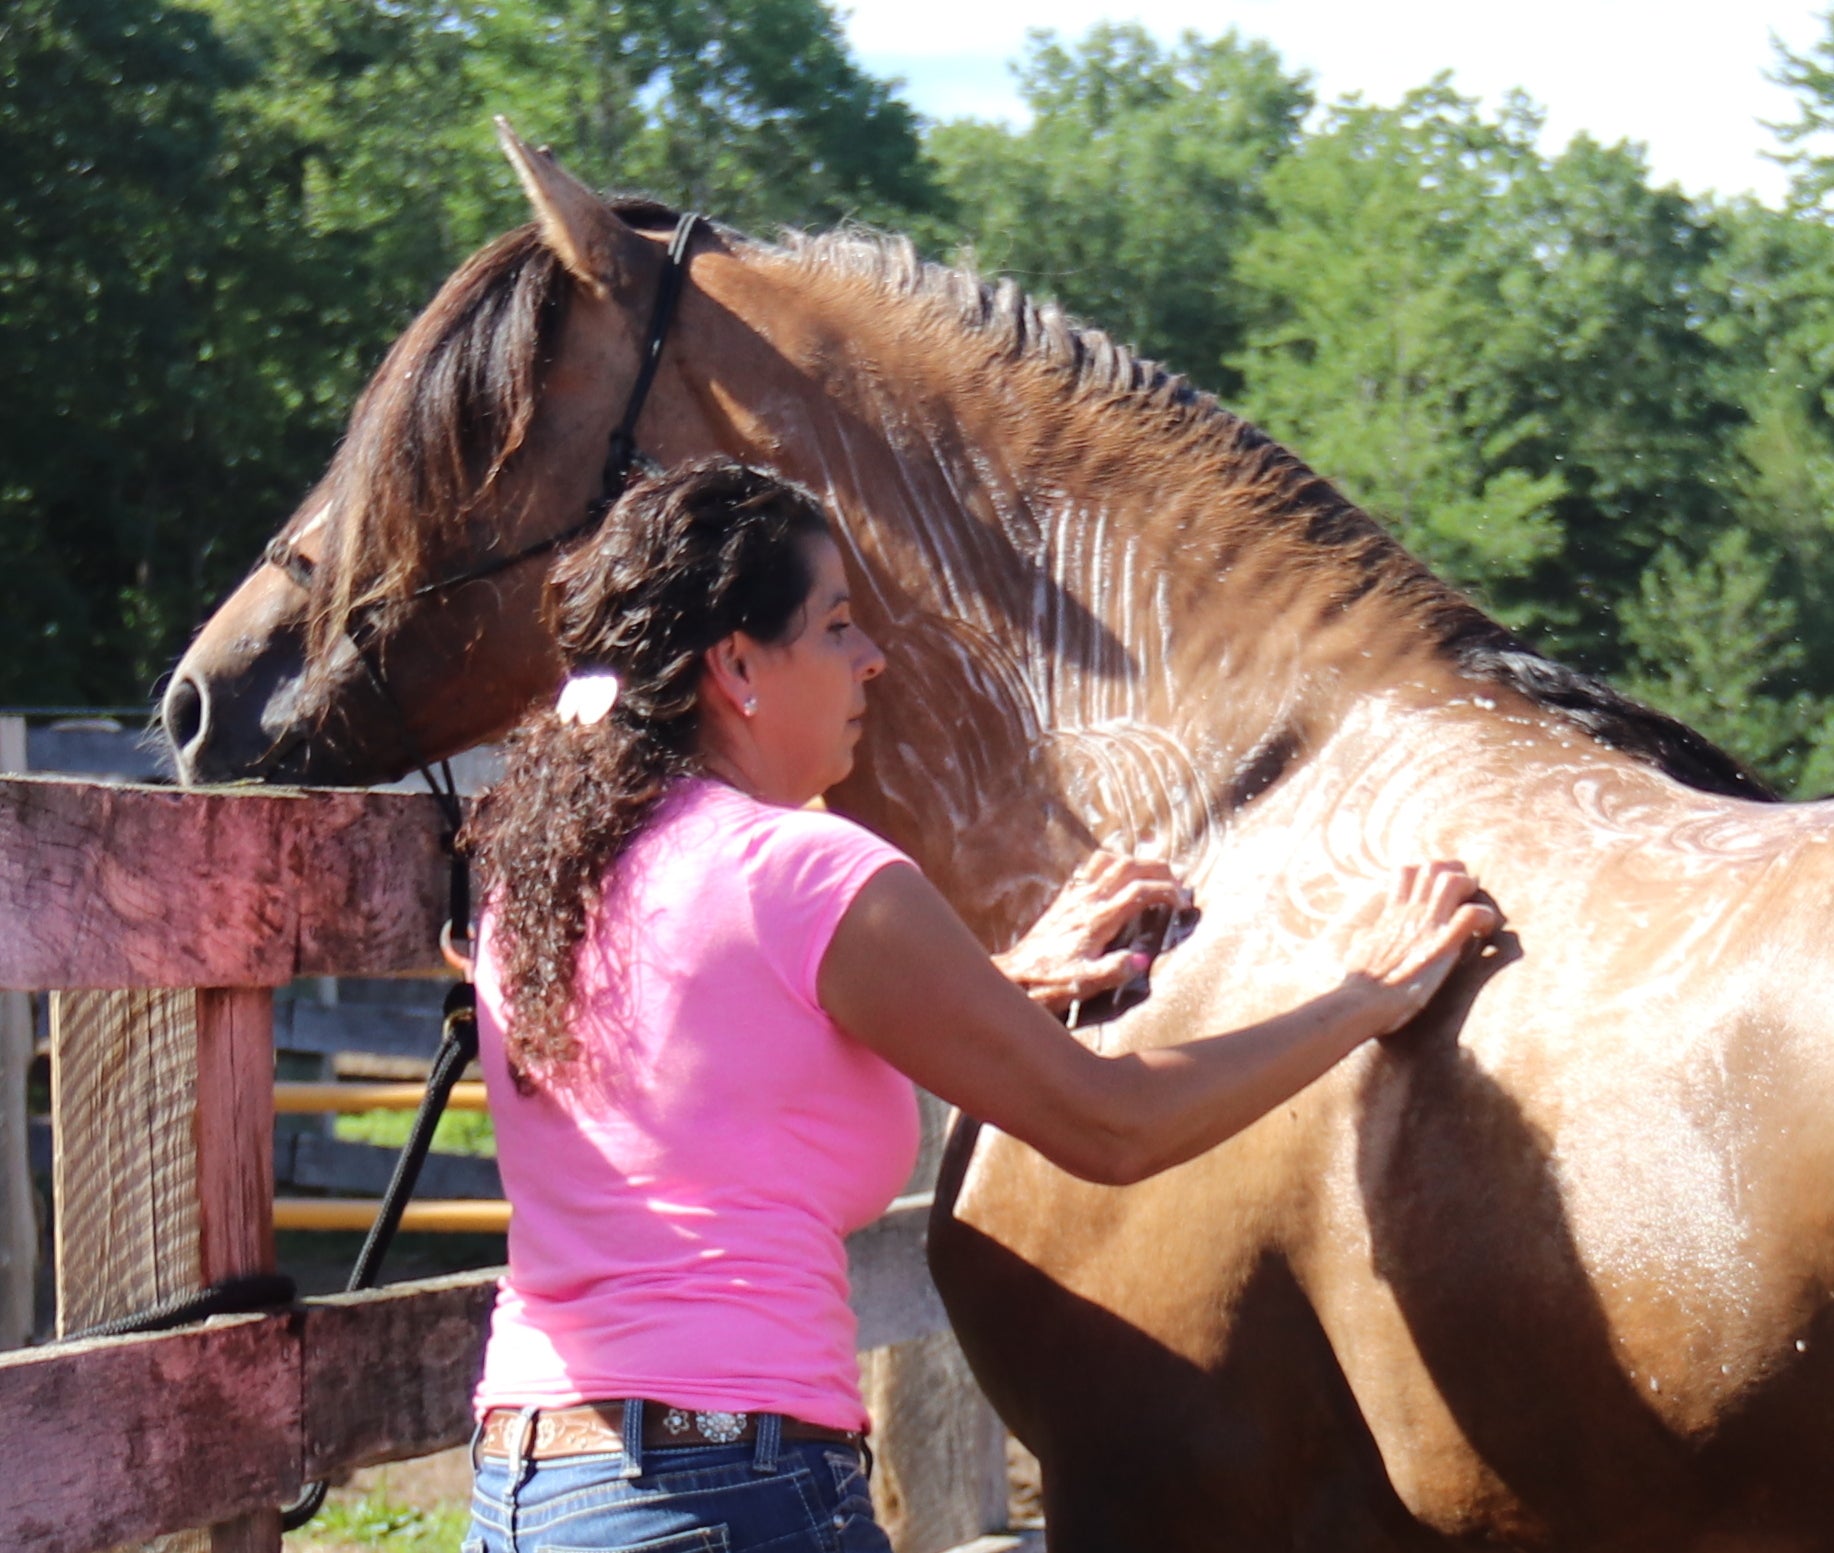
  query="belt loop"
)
[
  {"x": 521, "y": 1461},
  {"x": 630, "y": 1431},
  {"x": 769, "y": 1442}
]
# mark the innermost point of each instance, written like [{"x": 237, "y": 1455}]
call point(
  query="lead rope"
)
[
  {"x": 459, "y": 1037},
  {"x": 458, "y": 1048}
]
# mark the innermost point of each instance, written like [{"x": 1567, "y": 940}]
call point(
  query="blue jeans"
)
[{"x": 787, "y": 1496}]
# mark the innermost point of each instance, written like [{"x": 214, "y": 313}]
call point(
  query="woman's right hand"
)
[
  {"x": 1403, "y": 945},
  {"x": 1065, "y": 956}
]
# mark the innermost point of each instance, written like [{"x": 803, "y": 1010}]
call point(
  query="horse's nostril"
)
[{"x": 184, "y": 713}]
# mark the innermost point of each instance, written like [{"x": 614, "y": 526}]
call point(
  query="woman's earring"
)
[{"x": 750, "y": 707}]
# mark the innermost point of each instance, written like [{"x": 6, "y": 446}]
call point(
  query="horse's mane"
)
[
  {"x": 1094, "y": 368},
  {"x": 455, "y": 397}
]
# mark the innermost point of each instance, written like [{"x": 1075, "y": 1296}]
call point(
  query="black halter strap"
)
[{"x": 621, "y": 452}]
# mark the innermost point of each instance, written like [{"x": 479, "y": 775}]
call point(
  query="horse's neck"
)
[{"x": 1075, "y": 655}]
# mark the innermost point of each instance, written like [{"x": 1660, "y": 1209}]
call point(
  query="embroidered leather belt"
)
[{"x": 595, "y": 1427}]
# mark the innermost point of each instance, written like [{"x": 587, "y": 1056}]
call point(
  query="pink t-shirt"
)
[{"x": 679, "y": 1203}]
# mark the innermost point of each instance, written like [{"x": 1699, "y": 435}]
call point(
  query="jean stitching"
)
[{"x": 613, "y": 1494}]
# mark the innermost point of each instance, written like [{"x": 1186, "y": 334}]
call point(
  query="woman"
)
[{"x": 702, "y": 1006}]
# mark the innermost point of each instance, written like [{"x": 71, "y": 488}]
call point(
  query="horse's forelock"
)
[{"x": 450, "y": 405}]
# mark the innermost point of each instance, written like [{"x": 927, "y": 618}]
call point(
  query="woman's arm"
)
[{"x": 904, "y": 976}]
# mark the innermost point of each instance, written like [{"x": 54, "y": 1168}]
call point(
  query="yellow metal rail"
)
[
  {"x": 292, "y": 1099},
  {"x": 452, "y": 1215}
]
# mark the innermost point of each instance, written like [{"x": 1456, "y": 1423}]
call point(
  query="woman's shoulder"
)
[{"x": 770, "y": 840}]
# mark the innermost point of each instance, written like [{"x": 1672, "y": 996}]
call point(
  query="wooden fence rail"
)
[
  {"x": 124, "y": 1438},
  {"x": 161, "y": 921}
]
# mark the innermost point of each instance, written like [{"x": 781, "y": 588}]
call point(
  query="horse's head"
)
[{"x": 397, "y": 616}]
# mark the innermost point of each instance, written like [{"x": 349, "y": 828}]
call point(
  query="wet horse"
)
[{"x": 1549, "y": 1270}]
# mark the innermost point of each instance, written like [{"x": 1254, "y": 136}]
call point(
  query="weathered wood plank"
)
[
  {"x": 128, "y": 1437},
  {"x": 233, "y": 1133},
  {"x": 892, "y": 1293},
  {"x": 120, "y": 886},
  {"x": 121, "y": 1439},
  {"x": 163, "y": 1116},
  {"x": 333, "y": 1165},
  {"x": 392, "y": 1031},
  {"x": 389, "y": 1379},
  {"x": 18, "y": 1216},
  {"x": 123, "y": 1099},
  {"x": 942, "y": 1450},
  {"x": 941, "y": 1478},
  {"x": 18, "y": 1222}
]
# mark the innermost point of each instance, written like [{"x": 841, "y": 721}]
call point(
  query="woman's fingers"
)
[
  {"x": 1065, "y": 957},
  {"x": 1428, "y": 911},
  {"x": 1131, "y": 901},
  {"x": 1106, "y": 973}
]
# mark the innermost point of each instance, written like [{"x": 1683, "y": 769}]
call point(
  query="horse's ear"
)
[{"x": 575, "y": 223}]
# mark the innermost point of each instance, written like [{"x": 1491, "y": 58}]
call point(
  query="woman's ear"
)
[{"x": 728, "y": 671}]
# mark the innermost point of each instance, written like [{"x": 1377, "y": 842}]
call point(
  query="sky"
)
[{"x": 1686, "y": 78}]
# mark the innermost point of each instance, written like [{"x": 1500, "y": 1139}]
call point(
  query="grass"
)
[
  {"x": 458, "y": 1132},
  {"x": 376, "y": 1521}
]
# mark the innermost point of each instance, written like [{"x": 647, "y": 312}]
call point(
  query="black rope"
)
[
  {"x": 232, "y": 1297},
  {"x": 458, "y": 1046}
]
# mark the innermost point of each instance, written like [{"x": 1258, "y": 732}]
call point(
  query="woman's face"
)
[{"x": 811, "y": 689}]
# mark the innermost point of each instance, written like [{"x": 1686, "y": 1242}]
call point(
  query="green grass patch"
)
[
  {"x": 376, "y": 1521},
  {"x": 458, "y": 1132}
]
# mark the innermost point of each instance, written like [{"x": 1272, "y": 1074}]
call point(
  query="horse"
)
[{"x": 1547, "y": 1270}]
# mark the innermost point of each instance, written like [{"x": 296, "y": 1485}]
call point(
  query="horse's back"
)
[{"x": 1535, "y": 1272}]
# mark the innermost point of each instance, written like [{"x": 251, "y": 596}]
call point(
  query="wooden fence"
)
[{"x": 161, "y": 922}]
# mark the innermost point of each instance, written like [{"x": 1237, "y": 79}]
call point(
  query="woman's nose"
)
[{"x": 872, "y": 661}]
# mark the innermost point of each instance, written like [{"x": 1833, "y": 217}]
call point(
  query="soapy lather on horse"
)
[{"x": 1550, "y": 1269}]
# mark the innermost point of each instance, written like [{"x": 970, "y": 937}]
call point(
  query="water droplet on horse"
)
[{"x": 1802, "y": 1345}]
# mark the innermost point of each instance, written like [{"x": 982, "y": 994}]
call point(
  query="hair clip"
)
[{"x": 587, "y": 696}]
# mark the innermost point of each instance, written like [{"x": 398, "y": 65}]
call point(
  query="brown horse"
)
[{"x": 1551, "y": 1270}]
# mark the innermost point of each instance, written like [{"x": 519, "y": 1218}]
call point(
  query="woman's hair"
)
[{"x": 682, "y": 561}]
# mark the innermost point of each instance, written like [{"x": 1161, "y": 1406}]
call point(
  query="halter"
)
[
  {"x": 458, "y": 1041},
  {"x": 621, "y": 452},
  {"x": 621, "y": 455}
]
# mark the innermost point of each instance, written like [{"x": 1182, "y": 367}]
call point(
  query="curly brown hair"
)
[{"x": 682, "y": 561}]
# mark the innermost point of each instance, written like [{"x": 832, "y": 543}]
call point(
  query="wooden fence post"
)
[
  {"x": 940, "y": 1478},
  {"x": 18, "y": 1212},
  {"x": 163, "y": 1115}
]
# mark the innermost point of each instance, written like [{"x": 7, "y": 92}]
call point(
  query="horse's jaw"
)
[{"x": 248, "y": 701}]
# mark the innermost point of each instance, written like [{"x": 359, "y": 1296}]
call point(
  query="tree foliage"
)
[
  {"x": 214, "y": 216},
  {"x": 1135, "y": 184},
  {"x": 1605, "y": 408}
]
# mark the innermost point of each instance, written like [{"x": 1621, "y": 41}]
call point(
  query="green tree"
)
[
  {"x": 1378, "y": 311},
  {"x": 122, "y": 426},
  {"x": 1714, "y": 643},
  {"x": 1134, "y": 186},
  {"x": 1501, "y": 355},
  {"x": 216, "y": 215}
]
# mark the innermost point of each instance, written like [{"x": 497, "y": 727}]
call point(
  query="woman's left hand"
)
[{"x": 1066, "y": 957}]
